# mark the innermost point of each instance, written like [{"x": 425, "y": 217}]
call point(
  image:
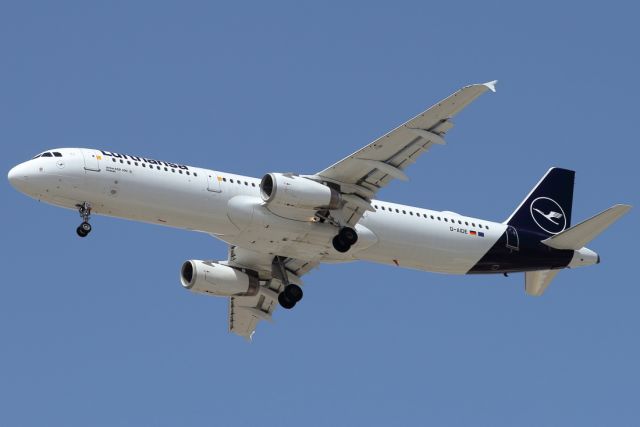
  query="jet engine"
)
[
  {"x": 298, "y": 192},
  {"x": 213, "y": 278}
]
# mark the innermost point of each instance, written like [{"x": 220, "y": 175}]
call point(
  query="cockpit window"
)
[
  {"x": 47, "y": 155},
  {"x": 56, "y": 154}
]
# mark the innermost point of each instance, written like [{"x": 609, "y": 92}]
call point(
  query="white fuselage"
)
[{"x": 229, "y": 207}]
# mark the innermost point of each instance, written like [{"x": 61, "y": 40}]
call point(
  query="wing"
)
[
  {"x": 363, "y": 173},
  {"x": 246, "y": 312}
]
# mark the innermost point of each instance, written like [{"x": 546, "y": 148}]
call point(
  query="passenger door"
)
[{"x": 91, "y": 160}]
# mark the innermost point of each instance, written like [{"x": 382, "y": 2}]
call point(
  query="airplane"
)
[{"x": 280, "y": 227}]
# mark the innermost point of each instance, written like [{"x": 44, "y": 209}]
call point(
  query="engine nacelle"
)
[
  {"x": 212, "y": 278},
  {"x": 298, "y": 192}
]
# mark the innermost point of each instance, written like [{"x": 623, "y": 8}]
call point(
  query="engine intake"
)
[
  {"x": 213, "y": 278},
  {"x": 298, "y": 192}
]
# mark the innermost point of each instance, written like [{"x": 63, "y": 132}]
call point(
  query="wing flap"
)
[
  {"x": 245, "y": 312},
  {"x": 578, "y": 236}
]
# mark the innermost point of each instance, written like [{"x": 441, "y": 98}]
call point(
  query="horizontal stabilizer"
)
[
  {"x": 536, "y": 282},
  {"x": 578, "y": 236}
]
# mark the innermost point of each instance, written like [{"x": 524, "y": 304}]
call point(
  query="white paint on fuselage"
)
[{"x": 199, "y": 201}]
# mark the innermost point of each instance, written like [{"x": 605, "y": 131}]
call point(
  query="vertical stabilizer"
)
[{"x": 547, "y": 208}]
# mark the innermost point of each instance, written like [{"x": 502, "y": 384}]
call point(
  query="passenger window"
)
[
  {"x": 466, "y": 223},
  {"x": 410, "y": 213},
  {"x": 459, "y": 222},
  {"x": 128, "y": 162},
  {"x": 404, "y": 212},
  {"x": 473, "y": 224},
  {"x": 438, "y": 218},
  {"x": 253, "y": 184},
  {"x": 195, "y": 174},
  {"x": 397, "y": 211},
  {"x": 114, "y": 160},
  {"x": 158, "y": 167},
  {"x": 246, "y": 183},
  {"x": 173, "y": 170},
  {"x": 121, "y": 161},
  {"x": 144, "y": 165},
  {"x": 231, "y": 181},
  {"x": 446, "y": 220},
  {"x": 486, "y": 227},
  {"x": 188, "y": 173},
  {"x": 135, "y": 163}
]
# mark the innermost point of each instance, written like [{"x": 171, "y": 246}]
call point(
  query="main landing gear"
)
[
  {"x": 346, "y": 238},
  {"x": 85, "y": 213},
  {"x": 292, "y": 293}
]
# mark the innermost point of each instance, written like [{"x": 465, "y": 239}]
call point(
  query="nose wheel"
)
[
  {"x": 346, "y": 238},
  {"x": 85, "y": 213}
]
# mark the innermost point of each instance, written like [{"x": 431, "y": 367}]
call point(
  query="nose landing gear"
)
[{"x": 85, "y": 213}]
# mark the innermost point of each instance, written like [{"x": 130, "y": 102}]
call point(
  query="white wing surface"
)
[
  {"x": 246, "y": 311},
  {"x": 364, "y": 172}
]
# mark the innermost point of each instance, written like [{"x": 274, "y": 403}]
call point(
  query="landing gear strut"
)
[
  {"x": 346, "y": 238},
  {"x": 85, "y": 213},
  {"x": 292, "y": 293}
]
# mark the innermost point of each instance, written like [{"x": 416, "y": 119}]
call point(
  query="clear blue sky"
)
[{"x": 99, "y": 332}]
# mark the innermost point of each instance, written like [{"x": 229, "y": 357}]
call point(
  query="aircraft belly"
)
[
  {"x": 263, "y": 231},
  {"x": 170, "y": 203}
]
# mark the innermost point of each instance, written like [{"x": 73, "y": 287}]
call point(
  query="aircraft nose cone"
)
[{"x": 18, "y": 175}]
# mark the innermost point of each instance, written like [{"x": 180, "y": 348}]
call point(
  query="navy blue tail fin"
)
[{"x": 547, "y": 209}]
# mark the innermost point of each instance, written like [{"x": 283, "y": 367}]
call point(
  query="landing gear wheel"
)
[
  {"x": 285, "y": 302},
  {"x": 340, "y": 245},
  {"x": 86, "y": 227},
  {"x": 84, "y": 209},
  {"x": 349, "y": 235},
  {"x": 293, "y": 292}
]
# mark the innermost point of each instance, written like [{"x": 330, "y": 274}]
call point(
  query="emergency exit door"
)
[{"x": 213, "y": 182}]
